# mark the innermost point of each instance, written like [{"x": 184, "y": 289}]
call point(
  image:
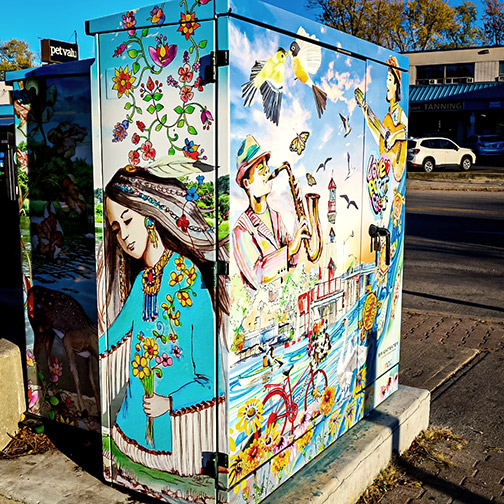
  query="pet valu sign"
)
[{"x": 54, "y": 51}]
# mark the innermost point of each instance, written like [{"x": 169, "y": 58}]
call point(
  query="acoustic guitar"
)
[{"x": 392, "y": 137}]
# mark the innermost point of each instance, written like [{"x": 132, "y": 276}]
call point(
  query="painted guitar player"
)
[{"x": 391, "y": 133}]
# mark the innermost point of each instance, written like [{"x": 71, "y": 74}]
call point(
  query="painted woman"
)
[{"x": 158, "y": 354}]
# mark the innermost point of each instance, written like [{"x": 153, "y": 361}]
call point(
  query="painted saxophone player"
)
[{"x": 263, "y": 249}]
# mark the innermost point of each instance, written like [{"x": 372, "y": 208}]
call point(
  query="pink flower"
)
[
  {"x": 134, "y": 157},
  {"x": 148, "y": 152},
  {"x": 177, "y": 352},
  {"x": 56, "y": 369},
  {"x": 164, "y": 359},
  {"x": 186, "y": 94},
  {"x": 129, "y": 22},
  {"x": 185, "y": 73},
  {"x": 206, "y": 119}
]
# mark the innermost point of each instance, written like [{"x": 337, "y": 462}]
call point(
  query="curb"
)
[{"x": 344, "y": 470}]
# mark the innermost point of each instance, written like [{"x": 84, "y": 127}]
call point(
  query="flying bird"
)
[
  {"x": 323, "y": 165},
  {"x": 349, "y": 201},
  {"x": 350, "y": 169},
  {"x": 346, "y": 125},
  {"x": 267, "y": 76},
  {"x": 306, "y": 59}
]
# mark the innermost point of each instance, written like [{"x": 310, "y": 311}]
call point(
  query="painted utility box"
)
[
  {"x": 250, "y": 171},
  {"x": 52, "y": 107}
]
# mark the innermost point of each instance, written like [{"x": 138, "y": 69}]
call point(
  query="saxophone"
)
[{"x": 313, "y": 245}]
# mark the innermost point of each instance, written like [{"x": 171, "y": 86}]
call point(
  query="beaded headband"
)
[{"x": 180, "y": 220}]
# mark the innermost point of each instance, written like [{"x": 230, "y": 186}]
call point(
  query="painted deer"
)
[{"x": 54, "y": 313}]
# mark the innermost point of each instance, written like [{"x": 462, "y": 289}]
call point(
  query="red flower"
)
[
  {"x": 199, "y": 83},
  {"x": 135, "y": 138},
  {"x": 150, "y": 84},
  {"x": 148, "y": 152},
  {"x": 188, "y": 23},
  {"x": 140, "y": 125},
  {"x": 185, "y": 73},
  {"x": 183, "y": 223},
  {"x": 134, "y": 157}
]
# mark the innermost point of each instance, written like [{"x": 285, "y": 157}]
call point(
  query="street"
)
[{"x": 454, "y": 252}]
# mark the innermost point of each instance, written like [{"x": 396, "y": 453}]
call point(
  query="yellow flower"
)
[
  {"x": 328, "y": 400},
  {"x": 237, "y": 467},
  {"x": 123, "y": 80},
  {"x": 360, "y": 381},
  {"x": 255, "y": 454},
  {"x": 179, "y": 262},
  {"x": 271, "y": 436},
  {"x": 350, "y": 413},
  {"x": 151, "y": 348},
  {"x": 175, "y": 278},
  {"x": 304, "y": 440},
  {"x": 191, "y": 275},
  {"x": 280, "y": 462},
  {"x": 184, "y": 298},
  {"x": 250, "y": 416},
  {"x": 335, "y": 422},
  {"x": 140, "y": 367}
]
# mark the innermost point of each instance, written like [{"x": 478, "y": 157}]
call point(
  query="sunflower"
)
[
  {"x": 335, "y": 422},
  {"x": 140, "y": 367},
  {"x": 328, "y": 400},
  {"x": 304, "y": 440},
  {"x": 237, "y": 467},
  {"x": 271, "y": 437},
  {"x": 280, "y": 462},
  {"x": 255, "y": 454},
  {"x": 250, "y": 416}
]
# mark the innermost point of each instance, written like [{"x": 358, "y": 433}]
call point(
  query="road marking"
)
[{"x": 453, "y": 209}]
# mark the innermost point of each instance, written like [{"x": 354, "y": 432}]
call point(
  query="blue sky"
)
[{"x": 54, "y": 19}]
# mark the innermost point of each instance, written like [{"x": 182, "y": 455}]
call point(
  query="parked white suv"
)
[{"x": 429, "y": 153}]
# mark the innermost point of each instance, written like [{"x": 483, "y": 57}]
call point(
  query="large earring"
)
[
  {"x": 122, "y": 279},
  {"x": 151, "y": 230}
]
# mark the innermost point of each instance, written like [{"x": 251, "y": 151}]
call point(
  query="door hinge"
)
[
  {"x": 217, "y": 59},
  {"x": 217, "y": 463},
  {"x": 222, "y": 268}
]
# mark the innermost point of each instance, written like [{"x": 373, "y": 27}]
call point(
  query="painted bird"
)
[
  {"x": 267, "y": 76},
  {"x": 349, "y": 201},
  {"x": 346, "y": 125},
  {"x": 306, "y": 59}
]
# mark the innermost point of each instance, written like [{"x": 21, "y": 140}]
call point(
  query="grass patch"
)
[{"x": 424, "y": 447}]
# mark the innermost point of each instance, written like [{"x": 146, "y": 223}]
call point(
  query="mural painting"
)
[
  {"x": 53, "y": 123},
  {"x": 315, "y": 341},
  {"x": 250, "y": 265}
]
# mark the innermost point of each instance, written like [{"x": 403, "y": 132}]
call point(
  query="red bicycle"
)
[{"x": 282, "y": 398}]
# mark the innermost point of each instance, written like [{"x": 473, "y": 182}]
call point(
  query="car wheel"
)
[
  {"x": 466, "y": 163},
  {"x": 428, "y": 165}
]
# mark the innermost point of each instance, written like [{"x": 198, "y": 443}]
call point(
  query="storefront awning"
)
[{"x": 448, "y": 92}]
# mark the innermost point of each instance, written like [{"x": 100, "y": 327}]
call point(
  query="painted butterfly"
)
[
  {"x": 299, "y": 143},
  {"x": 311, "y": 179}
]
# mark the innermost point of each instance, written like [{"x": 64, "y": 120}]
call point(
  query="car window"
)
[
  {"x": 411, "y": 144},
  {"x": 491, "y": 138},
  {"x": 447, "y": 144},
  {"x": 431, "y": 143}
]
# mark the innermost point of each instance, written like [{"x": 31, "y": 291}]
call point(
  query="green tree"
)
[
  {"x": 403, "y": 25},
  {"x": 15, "y": 55},
  {"x": 493, "y": 22},
  {"x": 464, "y": 32}
]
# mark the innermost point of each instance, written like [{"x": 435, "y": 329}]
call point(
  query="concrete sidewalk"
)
[{"x": 459, "y": 359}]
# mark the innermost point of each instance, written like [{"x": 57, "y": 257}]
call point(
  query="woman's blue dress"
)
[{"x": 189, "y": 374}]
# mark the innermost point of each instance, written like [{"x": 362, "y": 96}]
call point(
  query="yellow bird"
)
[
  {"x": 306, "y": 60},
  {"x": 268, "y": 77}
]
